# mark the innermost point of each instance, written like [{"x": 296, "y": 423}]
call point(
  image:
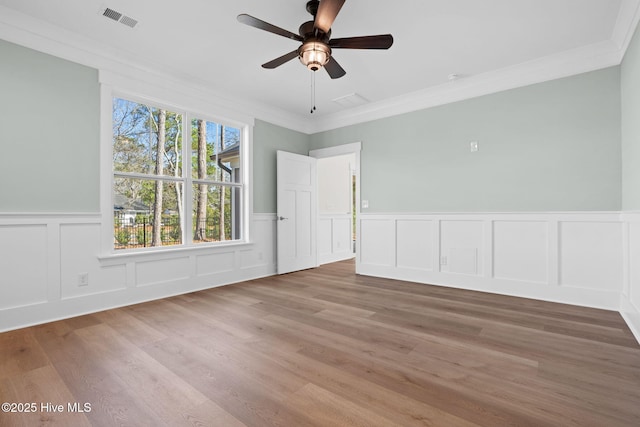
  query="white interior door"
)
[{"x": 297, "y": 212}]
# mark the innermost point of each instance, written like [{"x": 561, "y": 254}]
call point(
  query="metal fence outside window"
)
[{"x": 136, "y": 230}]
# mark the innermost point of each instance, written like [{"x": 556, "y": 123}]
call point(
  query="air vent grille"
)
[
  {"x": 112, "y": 14},
  {"x": 351, "y": 100},
  {"x": 129, "y": 22},
  {"x": 119, "y": 17}
]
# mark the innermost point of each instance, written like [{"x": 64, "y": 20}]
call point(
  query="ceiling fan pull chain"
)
[
  {"x": 313, "y": 92},
  {"x": 311, "y": 97}
]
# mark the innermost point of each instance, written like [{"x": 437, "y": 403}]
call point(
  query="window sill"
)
[{"x": 149, "y": 254}]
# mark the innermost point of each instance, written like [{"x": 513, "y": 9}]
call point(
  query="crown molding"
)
[
  {"x": 576, "y": 61},
  {"x": 21, "y": 29},
  {"x": 626, "y": 25},
  {"x": 564, "y": 64},
  {"x": 24, "y": 30}
]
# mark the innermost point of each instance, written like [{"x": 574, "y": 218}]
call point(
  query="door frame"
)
[{"x": 339, "y": 150}]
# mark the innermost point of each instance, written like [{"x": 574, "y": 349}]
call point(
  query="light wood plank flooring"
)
[{"x": 325, "y": 347}]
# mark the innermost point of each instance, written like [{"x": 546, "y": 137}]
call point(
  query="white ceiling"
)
[{"x": 201, "y": 42}]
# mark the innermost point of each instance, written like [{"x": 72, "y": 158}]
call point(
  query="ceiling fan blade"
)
[
  {"x": 383, "y": 41},
  {"x": 260, "y": 24},
  {"x": 327, "y": 12},
  {"x": 334, "y": 69},
  {"x": 281, "y": 60}
]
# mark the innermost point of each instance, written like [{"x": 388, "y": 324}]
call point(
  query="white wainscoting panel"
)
[
  {"x": 79, "y": 244},
  {"x": 519, "y": 254},
  {"x": 591, "y": 255},
  {"x": 43, "y": 255},
  {"x": 325, "y": 244},
  {"x": 415, "y": 240},
  {"x": 262, "y": 256},
  {"x": 520, "y": 251},
  {"x": 461, "y": 243},
  {"x": 334, "y": 238},
  {"x": 23, "y": 264},
  {"x": 341, "y": 235},
  {"x": 162, "y": 271},
  {"x": 377, "y": 242},
  {"x": 463, "y": 260},
  {"x": 630, "y": 299},
  {"x": 222, "y": 262}
]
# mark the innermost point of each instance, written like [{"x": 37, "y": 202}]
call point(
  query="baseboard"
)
[
  {"x": 35, "y": 314},
  {"x": 631, "y": 314},
  {"x": 607, "y": 300}
]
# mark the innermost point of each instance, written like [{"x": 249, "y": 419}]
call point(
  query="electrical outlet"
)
[
  {"x": 83, "y": 279},
  {"x": 443, "y": 260}
]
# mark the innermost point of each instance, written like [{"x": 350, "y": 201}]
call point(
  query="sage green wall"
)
[
  {"x": 630, "y": 90},
  {"x": 49, "y": 133},
  {"x": 50, "y": 136},
  {"x": 267, "y": 139},
  {"x": 553, "y": 146}
]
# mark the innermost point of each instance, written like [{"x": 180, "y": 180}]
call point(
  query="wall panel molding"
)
[
  {"x": 45, "y": 253},
  {"x": 334, "y": 238},
  {"x": 519, "y": 254},
  {"x": 528, "y": 253}
]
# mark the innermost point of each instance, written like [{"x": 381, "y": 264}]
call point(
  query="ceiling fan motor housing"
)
[
  {"x": 307, "y": 30},
  {"x": 312, "y": 7}
]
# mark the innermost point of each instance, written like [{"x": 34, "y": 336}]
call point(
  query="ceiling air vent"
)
[
  {"x": 351, "y": 100},
  {"x": 119, "y": 17},
  {"x": 130, "y": 22},
  {"x": 112, "y": 14}
]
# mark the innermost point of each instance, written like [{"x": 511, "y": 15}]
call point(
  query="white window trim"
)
[{"x": 162, "y": 97}]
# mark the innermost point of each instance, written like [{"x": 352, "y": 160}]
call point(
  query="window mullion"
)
[{"x": 188, "y": 187}]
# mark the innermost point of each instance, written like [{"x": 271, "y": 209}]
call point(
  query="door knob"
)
[{"x": 281, "y": 218}]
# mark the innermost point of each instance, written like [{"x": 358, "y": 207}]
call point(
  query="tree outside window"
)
[{"x": 154, "y": 189}]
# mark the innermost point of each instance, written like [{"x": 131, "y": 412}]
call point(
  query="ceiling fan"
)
[{"x": 315, "y": 36}]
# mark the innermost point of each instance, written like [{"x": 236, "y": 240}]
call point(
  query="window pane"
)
[
  {"x": 215, "y": 151},
  {"x": 216, "y": 213},
  {"x": 147, "y": 213},
  {"x": 146, "y": 139}
]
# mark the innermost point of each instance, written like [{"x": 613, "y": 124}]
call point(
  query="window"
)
[
  {"x": 215, "y": 161},
  {"x": 167, "y": 192}
]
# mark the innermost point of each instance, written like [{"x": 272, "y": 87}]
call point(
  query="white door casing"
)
[{"x": 297, "y": 212}]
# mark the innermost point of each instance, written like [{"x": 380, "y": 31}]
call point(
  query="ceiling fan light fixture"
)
[
  {"x": 314, "y": 54},
  {"x": 315, "y": 36}
]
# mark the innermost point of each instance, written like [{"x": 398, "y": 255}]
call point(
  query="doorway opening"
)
[{"x": 338, "y": 202}]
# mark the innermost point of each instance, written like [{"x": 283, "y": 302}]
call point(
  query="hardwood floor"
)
[{"x": 325, "y": 347}]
